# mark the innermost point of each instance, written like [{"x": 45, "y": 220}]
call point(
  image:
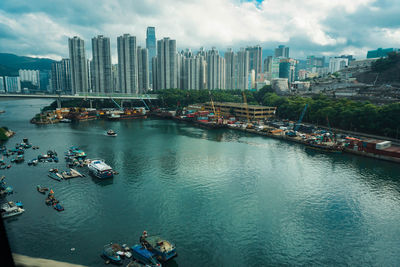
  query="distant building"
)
[
  {"x": 280, "y": 86},
  {"x": 13, "y": 84},
  {"x": 215, "y": 70},
  {"x": 78, "y": 65},
  {"x": 336, "y": 64},
  {"x": 114, "y": 78},
  {"x": 287, "y": 69},
  {"x": 166, "y": 65},
  {"x": 2, "y": 89},
  {"x": 313, "y": 61},
  {"x": 282, "y": 51},
  {"x": 267, "y": 64},
  {"x": 61, "y": 76},
  {"x": 101, "y": 64},
  {"x": 381, "y": 52},
  {"x": 32, "y": 76},
  {"x": 127, "y": 64},
  {"x": 152, "y": 49},
  {"x": 143, "y": 69},
  {"x": 241, "y": 111},
  {"x": 255, "y": 59}
]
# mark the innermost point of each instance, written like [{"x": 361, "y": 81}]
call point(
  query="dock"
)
[{"x": 71, "y": 174}]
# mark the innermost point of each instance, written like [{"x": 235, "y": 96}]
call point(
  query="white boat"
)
[
  {"x": 10, "y": 209},
  {"x": 111, "y": 133},
  {"x": 65, "y": 120},
  {"x": 100, "y": 169}
]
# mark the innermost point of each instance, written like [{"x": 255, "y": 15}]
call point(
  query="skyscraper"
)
[
  {"x": 143, "y": 69},
  {"x": 215, "y": 70},
  {"x": 255, "y": 59},
  {"x": 127, "y": 64},
  {"x": 102, "y": 82},
  {"x": 167, "y": 67},
  {"x": 78, "y": 65},
  {"x": 282, "y": 51},
  {"x": 243, "y": 69},
  {"x": 151, "y": 47},
  {"x": 230, "y": 69}
]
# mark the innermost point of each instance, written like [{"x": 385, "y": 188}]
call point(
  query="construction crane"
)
[
  {"x": 246, "y": 106},
  {"x": 212, "y": 103},
  {"x": 297, "y": 125}
]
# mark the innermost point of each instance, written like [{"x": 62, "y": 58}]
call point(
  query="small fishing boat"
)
[
  {"x": 33, "y": 162},
  {"x": 164, "y": 249},
  {"x": 110, "y": 253},
  {"x": 58, "y": 207},
  {"x": 65, "y": 120},
  {"x": 111, "y": 133},
  {"x": 41, "y": 189},
  {"x": 18, "y": 159},
  {"x": 144, "y": 256},
  {"x": 54, "y": 176}
]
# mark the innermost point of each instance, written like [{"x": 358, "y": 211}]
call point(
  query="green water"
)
[{"x": 225, "y": 198}]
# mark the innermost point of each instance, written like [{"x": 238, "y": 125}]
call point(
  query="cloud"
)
[{"x": 42, "y": 27}]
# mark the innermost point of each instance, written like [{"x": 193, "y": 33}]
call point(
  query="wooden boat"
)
[
  {"x": 41, "y": 189},
  {"x": 55, "y": 176}
]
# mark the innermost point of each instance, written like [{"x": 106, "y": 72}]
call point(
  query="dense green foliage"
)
[
  {"x": 171, "y": 98},
  {"x": 3, "y": 136}
]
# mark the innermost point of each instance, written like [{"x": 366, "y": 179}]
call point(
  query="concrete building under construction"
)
[{"x": 241, "y": 111}]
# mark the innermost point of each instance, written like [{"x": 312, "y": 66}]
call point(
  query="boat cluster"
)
[
  {"x": 50, "y": 199},
  {"x": 4, "y": 189},
  {"x": 152, "y": 251}
]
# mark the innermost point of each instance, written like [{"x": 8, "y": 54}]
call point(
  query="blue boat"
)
[
  {"x": 110, "y": 253},
  {"x": 58, "y": 207},
  {"x": 163, "y": 249},
  {"x": 144, "y": 256}
]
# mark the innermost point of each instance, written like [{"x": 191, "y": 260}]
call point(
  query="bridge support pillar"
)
[
  {"x": 58, "y": 103},
  {"x": 91, "y": 103},
  {"x": 122, "y": 103}
]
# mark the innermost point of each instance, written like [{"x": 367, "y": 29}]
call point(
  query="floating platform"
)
[{"x": 71, "y": 174}]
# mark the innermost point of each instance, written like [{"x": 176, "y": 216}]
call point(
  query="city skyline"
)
[{"x": 308, "y": 27}]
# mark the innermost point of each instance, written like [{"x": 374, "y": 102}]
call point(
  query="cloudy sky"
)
[{"x": 321, "y": 27}]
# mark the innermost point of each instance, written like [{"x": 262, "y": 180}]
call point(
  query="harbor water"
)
[{"x": 225, "y": 198}]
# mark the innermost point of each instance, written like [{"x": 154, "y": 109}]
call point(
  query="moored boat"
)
[
  {"x": 164, "y": 249},
  {"x": 10, "y": 209},
  {"x": 41, "y": 189},
  {"x": 110, "y": 253},
  {"x": 58, "y": 207},
  {"x": 100, "y": 169},
  {"x": 144, "y": 256}
]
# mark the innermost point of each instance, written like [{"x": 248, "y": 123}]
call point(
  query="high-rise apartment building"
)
[
  {"x": 243, "y": 69},
  {"x": 287, "y": 69},
  {"x": 114, "y": 78},
  {"x": 337, "y": 63},
  {"x": 13, "y": 84},
  {"x": 78, "y": 65},
  {"x": 151, "y": 47},
  {"x": 61, "y": 76},
  {"x": 143, "y": 69},
  {"x": 215, "y": 70},
  {"x": 167, "y": 65},
  {"x": 255, "y": 59},
  {"x": 2, "y": 89},
  {"x": 32, "y": 76},
  {"x": 127, "y": 64},
  {"x": 191, "y": 70},
  {"x": 282, "y": 51},
  {"x": 230, "y": 69},
  {"x": 102, "y": 82}
]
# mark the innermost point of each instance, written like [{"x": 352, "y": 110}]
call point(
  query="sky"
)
[{"x": 41, "y": 28}]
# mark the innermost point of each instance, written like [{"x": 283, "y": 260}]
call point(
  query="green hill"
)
[{"x": 10, "y": 64}]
